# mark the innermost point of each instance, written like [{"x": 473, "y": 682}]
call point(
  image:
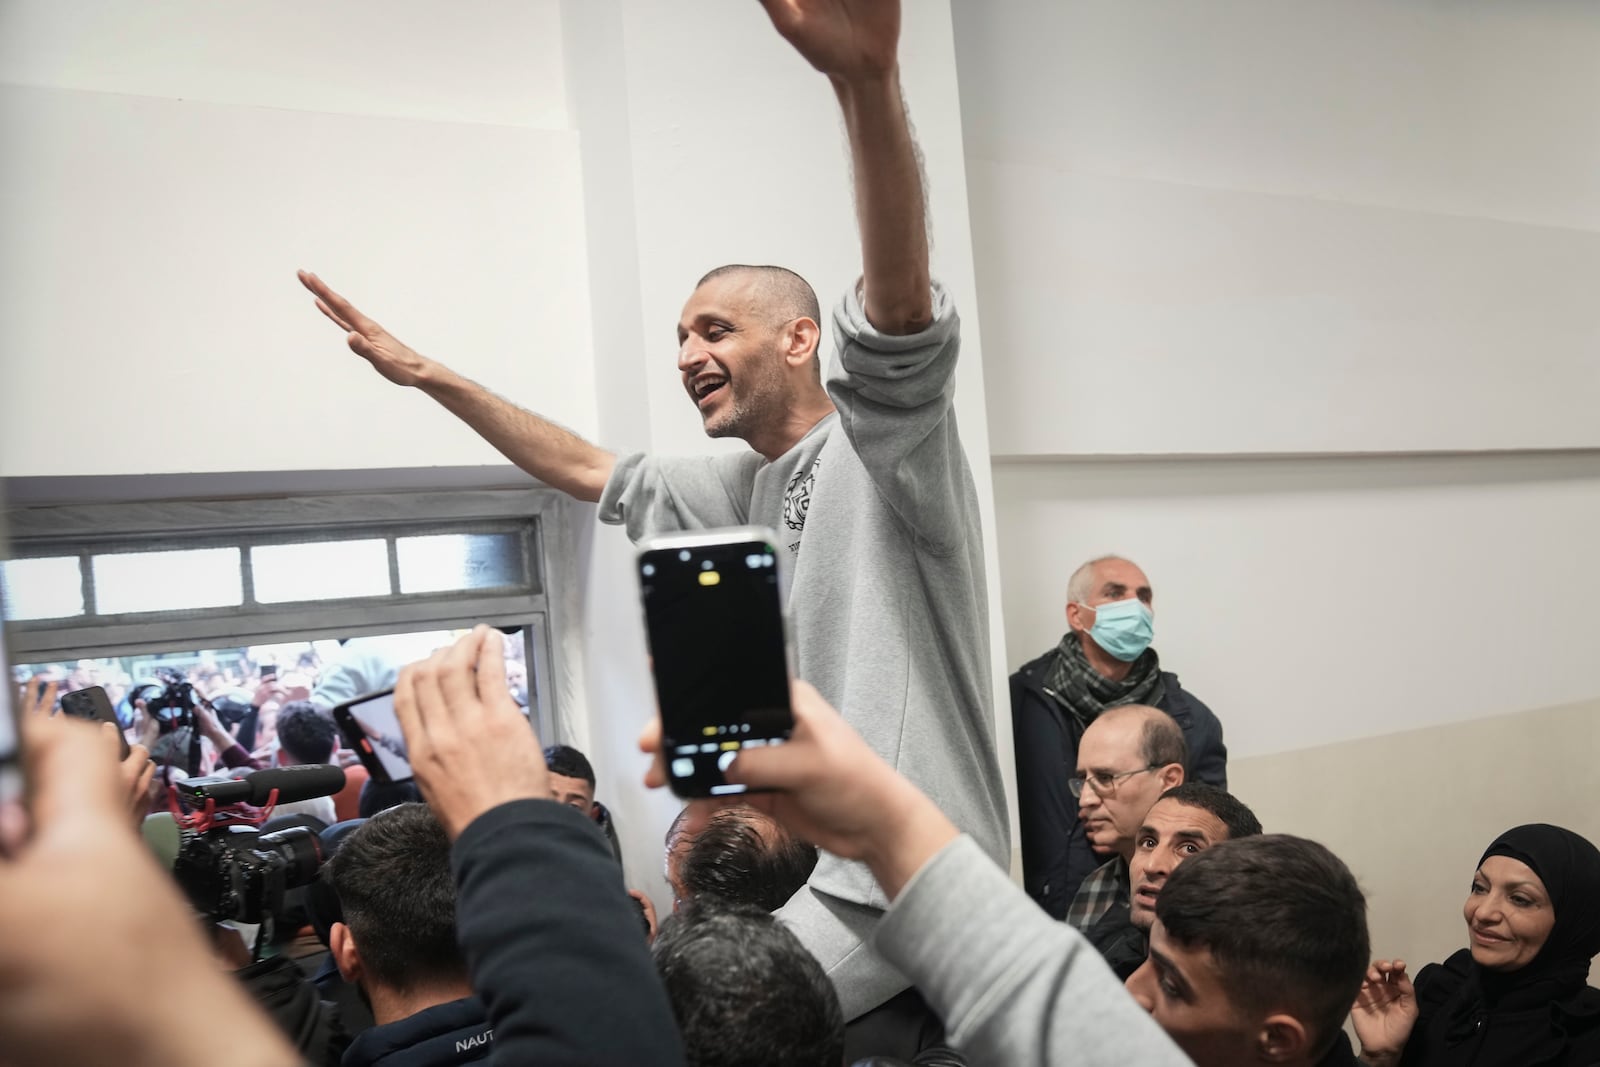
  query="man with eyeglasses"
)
[
  {"x": 1104, "y": 660},
  {"x": 1128, "y": 757}
]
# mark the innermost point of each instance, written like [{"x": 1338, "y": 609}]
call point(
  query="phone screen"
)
[
  {"x": 372, "y": 730},
  {"x": 714, "y": 616}
]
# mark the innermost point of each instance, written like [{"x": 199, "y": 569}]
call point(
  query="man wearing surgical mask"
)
[{"x": 1104, "y": 660}]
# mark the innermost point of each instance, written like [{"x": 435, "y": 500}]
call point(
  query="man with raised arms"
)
[{"x": 863, "y": 475}]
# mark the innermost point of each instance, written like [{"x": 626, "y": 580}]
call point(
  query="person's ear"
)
[
  {"x": 801, "y": 339},
  {"x": 1283, "y": 1039},
  {"x": 1171, "y": 775},
  {"x": 1075, "y": 617},
  {"x": 342, "y": 947}
]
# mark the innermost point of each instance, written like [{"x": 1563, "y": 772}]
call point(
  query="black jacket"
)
[
  {"x": 1557, "y": 1033},
  {"x": 553, "y": 943},
  {"x": 1056, "y": 855},
  {"x": 310, "y": 1023},
  {"x": 441, "y": 1036}
]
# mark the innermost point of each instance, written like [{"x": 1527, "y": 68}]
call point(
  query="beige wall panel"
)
[{"x": 1412, "y": 812}]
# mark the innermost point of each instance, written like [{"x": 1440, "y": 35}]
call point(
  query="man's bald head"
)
[
  {"x": 781, "y": 291},
  {"x": 1127, "y": 758},
  {"x": 1160, "y": 738}
]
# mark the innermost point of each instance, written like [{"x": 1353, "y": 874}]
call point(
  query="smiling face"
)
[
  {"x": 1172, "y": 832},
  {"x": 731, "y": 357},
  {"x": 1509, "y": 915}
]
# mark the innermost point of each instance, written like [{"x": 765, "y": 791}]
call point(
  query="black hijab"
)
[
  {"x": 1569, "y": 867},
  {"x": 1505, "y": 1017}
]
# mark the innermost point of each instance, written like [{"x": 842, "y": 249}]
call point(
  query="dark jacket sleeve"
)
[
  {"x": 554, "y": 945},
  {"x": 1202, "y": 732},
  {"x": 287, "y": 995},
  {"x": 1047, "y": 813}
]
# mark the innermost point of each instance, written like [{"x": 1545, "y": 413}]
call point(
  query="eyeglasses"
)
[{"x": 1105, "y": 784}]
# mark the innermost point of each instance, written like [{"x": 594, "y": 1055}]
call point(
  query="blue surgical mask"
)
[{"x": 1124, "y": 628}]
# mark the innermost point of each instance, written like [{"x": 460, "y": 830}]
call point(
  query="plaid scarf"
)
[{"x": 1085, "y": 692}]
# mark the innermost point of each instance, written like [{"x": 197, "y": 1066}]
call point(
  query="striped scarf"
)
[{"x": 1085, "y": 692}]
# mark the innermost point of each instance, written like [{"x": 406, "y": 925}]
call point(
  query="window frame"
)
[{"x": 82, "y": 530}]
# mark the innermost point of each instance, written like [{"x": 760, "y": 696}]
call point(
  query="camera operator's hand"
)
[
  {"x": 831, "y": 789},
  {"x": 269, "y": 694},
  {"x": 470, "y": 745},
  {"x": 88, "y": 919},
  {"x": 205, "y": 721},
  {"x": 145, "y": 725}
]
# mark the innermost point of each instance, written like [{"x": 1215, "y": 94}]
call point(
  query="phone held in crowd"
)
[
  {"x": 372, "y": 731},
  {"x": 714, "y": 616}
]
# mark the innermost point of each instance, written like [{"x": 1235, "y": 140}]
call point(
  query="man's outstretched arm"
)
[
  {"x": 555, "y": 456},
  {"x": 855, "y": 43}
]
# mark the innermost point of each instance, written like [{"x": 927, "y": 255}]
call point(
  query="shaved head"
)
[{"x": 779, "y": 289}]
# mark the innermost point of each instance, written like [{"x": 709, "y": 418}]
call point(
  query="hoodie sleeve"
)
[{"x": 554, "y": 944}]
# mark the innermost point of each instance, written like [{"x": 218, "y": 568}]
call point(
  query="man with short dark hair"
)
[
  {"x": 744, "y": 856},
  {"x": 1258, "y": 948},
  {"x": 1104, "y": 660},
  {"x": 306, "y": 734},
  {"x": 1185, "y": 821},
  {"x": 745, "y": 991},
  {"x": 572, "y": 782},
  {"x": 1129, "y": 757},
  {"x": 397, "y": 942}
]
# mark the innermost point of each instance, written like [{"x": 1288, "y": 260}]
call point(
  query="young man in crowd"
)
[
  {"x": 572, "y": 782},
  {"x": 1256, "y": 953},
  {"x": 1184, "y": 822},
  {"x": 745, "y": 991},
  {"x": 1104, "y": 660},
  {"x": 863, "y": 475},
  {"x": 1129, "y": 757},
  {"x": 397, "y": 942}
]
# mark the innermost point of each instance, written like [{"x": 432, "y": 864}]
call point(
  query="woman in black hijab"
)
[{"x": 1519, "y": 995}]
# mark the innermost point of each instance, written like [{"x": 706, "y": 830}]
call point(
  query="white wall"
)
[
  {"x": 1247, "y": 226},
  {"x": 1313, "y": 230},
  {"x": 169, "y": 166},
  {"x": 1310, "y": 601},
  {"x": 1286, "y": 303}
]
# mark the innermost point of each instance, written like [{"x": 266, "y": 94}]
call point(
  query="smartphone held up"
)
[{"x": 719, "y": 651}]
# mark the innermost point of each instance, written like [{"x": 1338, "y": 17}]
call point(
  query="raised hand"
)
[
  {"x": 1385, "y": 1012},
  {"x": 831, "y": 789},
  {"x": 388, "y": 355},
  {"x": 469, "y": 743},
  {"x": 843, "y": 39}
]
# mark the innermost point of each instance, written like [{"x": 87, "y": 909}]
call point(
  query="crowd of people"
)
[{"x": 853, "y": 907}]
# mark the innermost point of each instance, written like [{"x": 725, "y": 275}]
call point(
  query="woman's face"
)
[{"x": 1508, "y": 914}]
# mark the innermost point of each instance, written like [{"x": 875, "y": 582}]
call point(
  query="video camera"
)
[
  {"x": 213, "y": 844},
  {"x": 172, "y": 703}
]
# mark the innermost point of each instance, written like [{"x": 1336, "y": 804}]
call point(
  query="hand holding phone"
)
[
  {"x": 714, "y": 615},
  {"x": 93, "y": 705}
]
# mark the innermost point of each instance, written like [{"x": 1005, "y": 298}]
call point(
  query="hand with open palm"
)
[
  {"x": 389, "y": 356},
  {"x": 843, "y": 39},
  {"x": 1385, "y": 1012}
]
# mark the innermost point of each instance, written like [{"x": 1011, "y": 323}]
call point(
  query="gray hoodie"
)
[{"x": 877, "y": 509}]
